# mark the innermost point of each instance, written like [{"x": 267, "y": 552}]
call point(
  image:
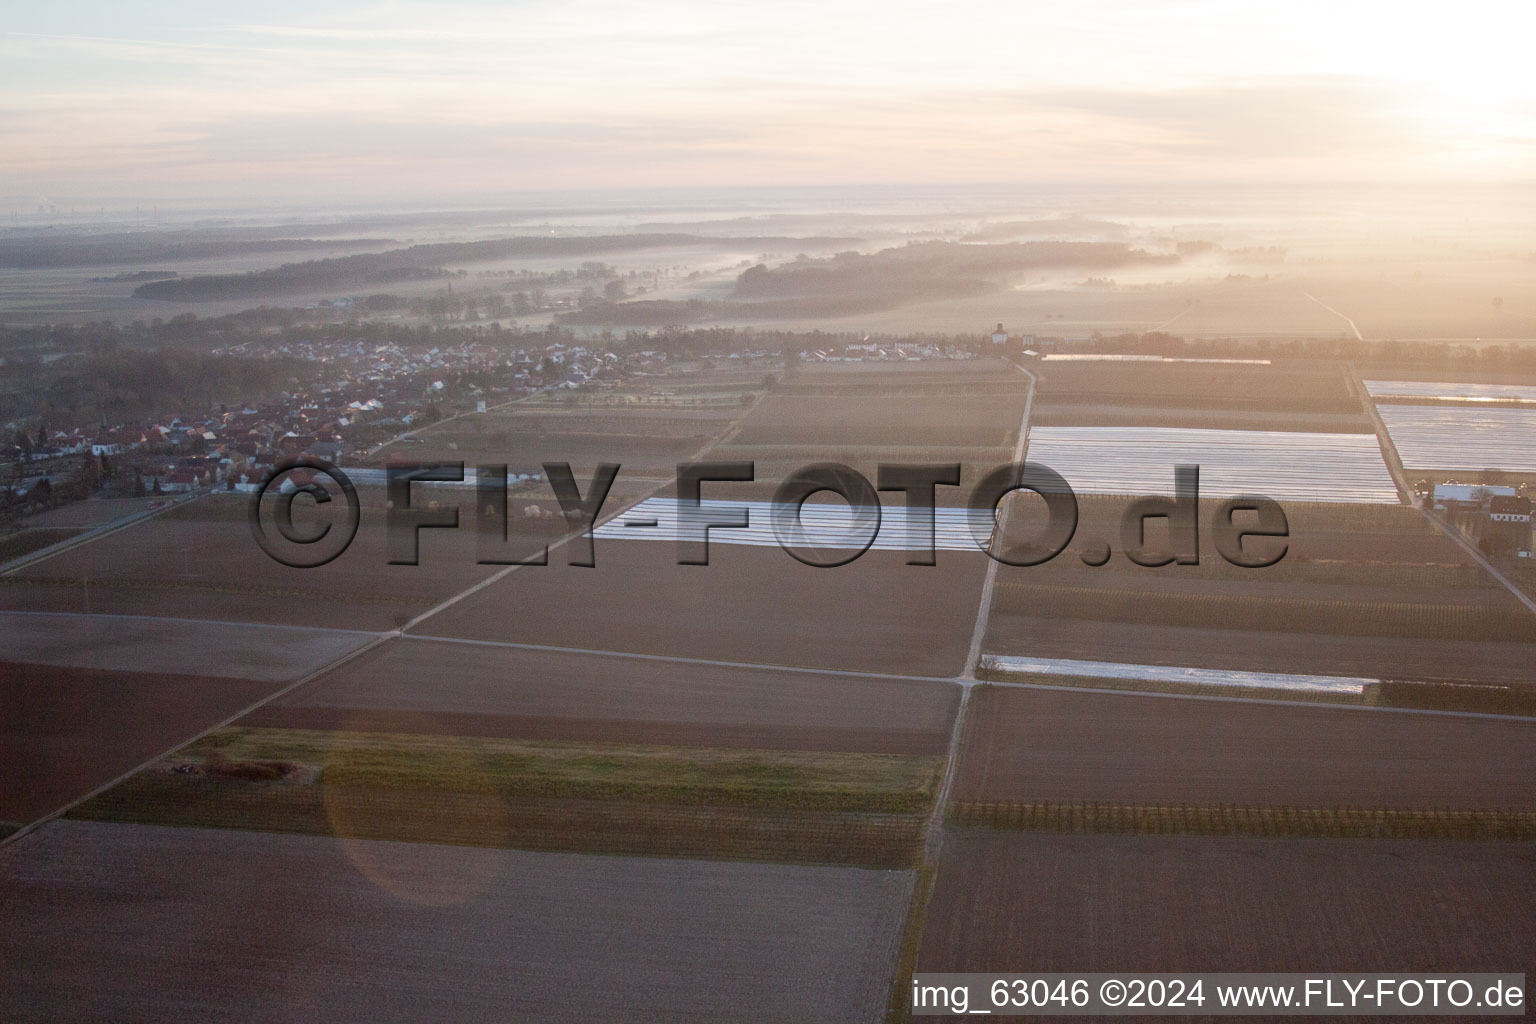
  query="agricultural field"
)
[
  {"x": 860, "y": 415},
  {"x": 95, "y": 512},
  {"x": 426, "y": 686},
  {"x": 1178, "y": 679},
  {"x": 1450, "y": 302},
  {"x": 1025, "y": 745},
  {"x": 99, "y": 920},
  {"x": 1362, "y": 590},
  {"x": 64, "y": 731},
  {"x": 1447, "y": 377},
  {"x": 984, "y": 413},
  {"x": 1063, "y": 902},
  {"x": 200, "y": 561},
  {"x": 1458, "y": 439},
  {"x": 828, "y": 526},
  {"x": 647, "y": 425},
  {"x": 1451, "y": 392},
  {"x": 232, "y": 650},
  {"x": 16, "y": 544},
  {"x": 1286, "y": 394},
  {"x": 750, "y": 605},
  {"x": 646, "y": 442},
  {"x": 87, "y": 698},
  {"x": 733, "y": 767},
  {"x": 1284, "y": 465},
  {"x": 620, "y": 798},
  {"x": 1319, "y": 652},
  {"x": 1484, "y": 614},
  {"x": 422, "y": 740}
]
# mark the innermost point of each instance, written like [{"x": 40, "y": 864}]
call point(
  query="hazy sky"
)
[{"x": 284, "y": 99}]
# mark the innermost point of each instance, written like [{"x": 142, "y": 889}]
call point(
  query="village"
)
[{"x": 361, "y": 397}]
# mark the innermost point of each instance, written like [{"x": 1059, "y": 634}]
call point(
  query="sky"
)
[{"x": 284, "y": 99}]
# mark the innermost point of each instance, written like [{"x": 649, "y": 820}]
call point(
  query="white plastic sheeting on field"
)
[
  {"x": 1282, "y": 465},
  {"x": 1463, "y": 440},
  {"x": 1174, "y": 674},
  {"x": 826, "y": 526},
  {"x": 1451, "y": 392},
  {"x": 1095, "y": 357}
]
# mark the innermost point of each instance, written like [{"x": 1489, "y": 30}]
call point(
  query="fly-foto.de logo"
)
[{"x": 820, "y": 534}]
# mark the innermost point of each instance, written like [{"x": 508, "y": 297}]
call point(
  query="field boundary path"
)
[
  {"x": 1389, "y": 451},
  {"x": 96, "y": 533},
  {"x": 967, "y": 679},
  {"x": 933, "y": 836},
  {"x": 1471, "y": 549},
  {"x": 1341, "y": 316}
]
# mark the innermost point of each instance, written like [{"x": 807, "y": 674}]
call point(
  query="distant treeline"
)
[
  {"x": 127, "y": 385},
  {"x": 424, "y": 262},
  {"x": 1440, "y": 356},
  {"x": 134, "y": 276},
  {"x": 30, "y": 252}
]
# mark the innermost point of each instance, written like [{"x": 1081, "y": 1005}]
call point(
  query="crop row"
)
[{"x": 1227, "y": 819}]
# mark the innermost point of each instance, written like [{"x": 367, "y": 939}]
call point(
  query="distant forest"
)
[
  {"x": 126, "y": 385},
  {"x": 852, "y": 282},
  {"x": 27, "y": 252},
  {"x": 425, "y": 262},
  {"x": 933, "y": 269}
]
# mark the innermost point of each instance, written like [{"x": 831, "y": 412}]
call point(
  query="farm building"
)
[
  {"x": 1509, "y": 524},
  {"x": 1468, "y": 497}
]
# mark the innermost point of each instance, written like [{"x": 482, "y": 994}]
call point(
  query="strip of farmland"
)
[
  {"x": 1234, "y": 820},
  {"x": 97, "y": 922},
  {"x": 823, "y": 526},
  {"x": 1461, "y": 440},
  {"x": 1004, "y": 667},
  {"x": 750, "y": 605},
  {"x": 1278, "y": 464},
  {"x": 1320, "y": 652},
  {"x": 64, "y": 731},
  {"x": 1031, "y": 745},
  {"x": 425, "y": 685},
  {"x": 1062, "y": 902},
  {"x": 819, "y": 807},
  {"x": 1450, "y": 392},
  {"x": 135, "y": 643}
]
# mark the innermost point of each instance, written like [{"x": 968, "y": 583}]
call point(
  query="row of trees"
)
[
  {"x": 122, "y": 385},
  {"x": 89, "y": 475},
  {"x": 1484, "y": 355}
]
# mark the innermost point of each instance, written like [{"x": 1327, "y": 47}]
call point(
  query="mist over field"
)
[{"x": 1234, "y": 262}]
